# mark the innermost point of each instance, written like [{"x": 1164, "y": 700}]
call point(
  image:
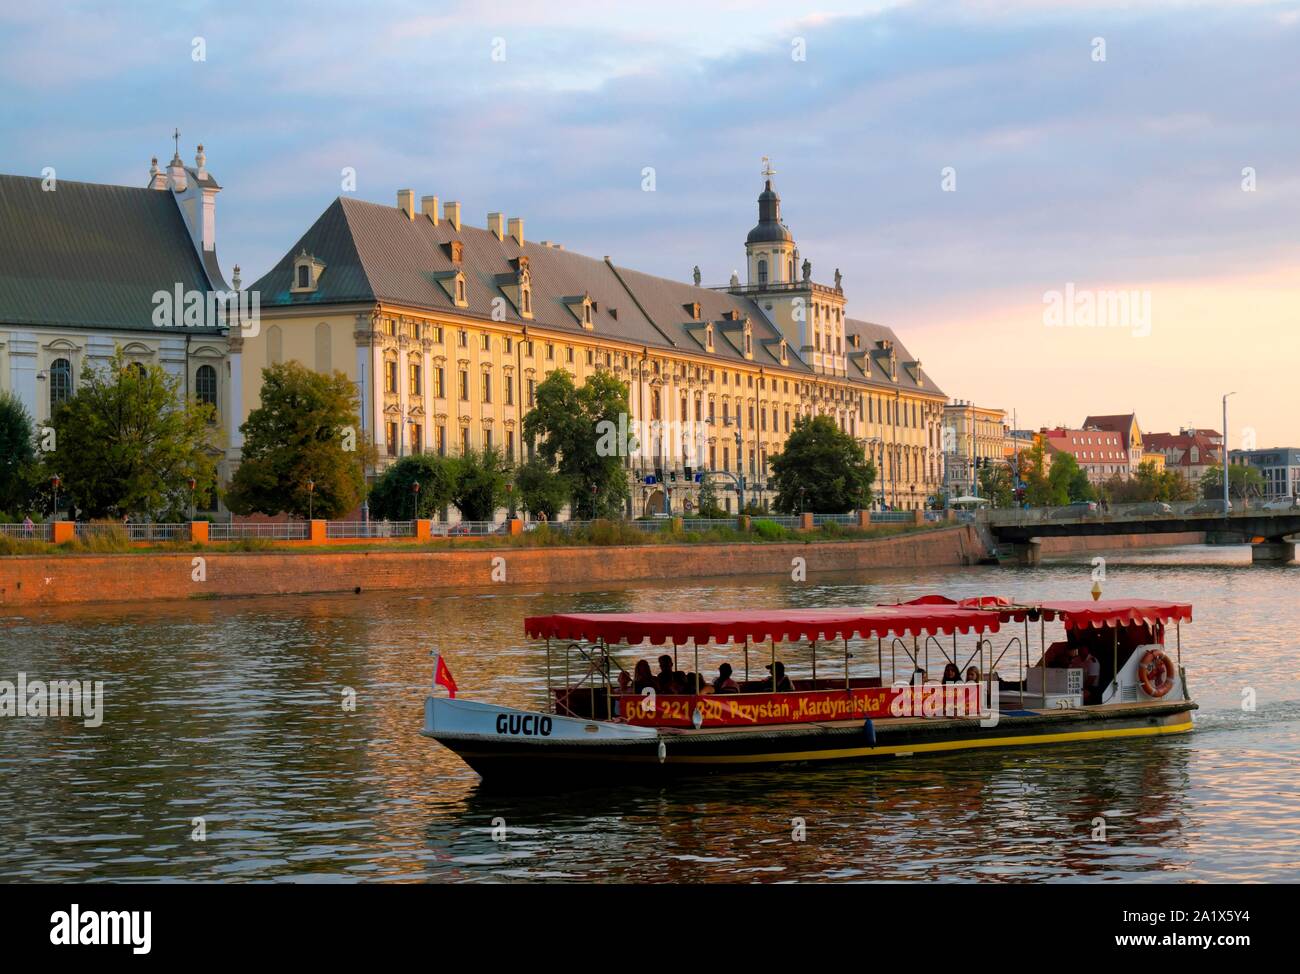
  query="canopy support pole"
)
[
  {"x": 814, "y": 652},
  {"x": 1042, "y": 650},
  {"x": 774, "y": 664},
  {"x": 880, "y": 663},
  {"x": 695, "y": 688},
  {"x": 1024, "y": 663},
  {"x": 550, "y": 696},
  {"x": 1178, "y": 635},
  {"x": 567, "y": 682},
  {"x": 846, "y": 663},
  {"x": 746, "y": 659}
]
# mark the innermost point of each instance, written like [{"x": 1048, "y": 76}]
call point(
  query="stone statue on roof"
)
[
  {"x": 839, "y": 280},
  {"x": 807, "y": 270},
  {"x": 697, "y": 275},
  {"x": 735, "y": 279}
]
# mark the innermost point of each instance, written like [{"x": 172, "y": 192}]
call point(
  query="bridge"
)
[{"x": 1272, "y": 534}]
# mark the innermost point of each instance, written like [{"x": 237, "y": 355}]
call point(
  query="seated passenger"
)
[
  {"x": 624, "y": 681},
  {"x": 642, "y": 677},
  {"x": 665, "y": 674},
  {"x": 676, "y": 683},
  {"x": 780, "y": 683},
  {"x": 1091, "y": 678},
  {"x": 951, "y": 674},
  {"x": 972, "y": 674},
  {"x": 724, "y": 683}
]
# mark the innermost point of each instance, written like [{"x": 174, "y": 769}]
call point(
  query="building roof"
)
[
  {"x": 1121, "y": 423},
  {"x": 1074, "y": 441},
  {"x": 87, "y": 255},
  {"x": 376, "y": 253}
]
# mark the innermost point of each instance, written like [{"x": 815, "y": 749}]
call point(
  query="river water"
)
[{"x": 228, "y": 750}]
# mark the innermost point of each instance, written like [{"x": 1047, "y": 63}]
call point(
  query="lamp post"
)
[
  {"x": 1225, "y": 454},
  {"x": 415, "y": 499},
  {"x": 510, "y": 501},
  {"x": 311, "y": 491},
  {"x": 740, "y": 465},
  {"x": 54, "y": 482},
  {"x": 193, "y": 484}
]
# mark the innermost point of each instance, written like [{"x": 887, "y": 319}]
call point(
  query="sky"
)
[{"x": 1062, "y": 208}]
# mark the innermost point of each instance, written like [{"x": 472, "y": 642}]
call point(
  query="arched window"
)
[
  {"x": 762, "y": 272},
  {"x": 274, "y": 345},
  {"x": 324, "y": 359},
  {"x": 205, "y": 385},
  {"x": 304, "y": 275},
  {"x": 60, "y": 382}
]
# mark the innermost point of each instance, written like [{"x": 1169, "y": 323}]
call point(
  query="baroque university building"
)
[{"x": 447, "y": 329}]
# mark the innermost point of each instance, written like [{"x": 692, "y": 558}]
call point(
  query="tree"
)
[
  {"x": 128, "y": 442},
  {"x": 995, "y": 485},
  {"x": 542, "y": 489},
  {"x": 393, "y": 499},
  {"x": 583, "y": 433},
  {"x": 480, "y": 488},
  {"x": 303, "y": 430},
  {"x": 1068, "y": 482},
  {"x": 708, "y": 500},
  {"x": 821, "y": 469},
  {"x": 1033, "y": 471},
  {"x": 17, "y": 457},
  {"x": 1243, "y": 482}
]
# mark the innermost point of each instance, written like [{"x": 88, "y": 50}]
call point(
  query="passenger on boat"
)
[
  {"x": 780, "y": 682},
  {"x": 643, "y": 678},
  {"x": 1091, "y": 678},
  {"x": 724, "y": 683},
  {"x": 624, "y": 681},
  {"x": 972, "y": 674},
  {"x": 951, "y": 674},
  {"x": 665, "y": 674}
]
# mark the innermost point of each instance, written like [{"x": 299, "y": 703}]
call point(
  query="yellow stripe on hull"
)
[{"x": 858, "y": 752}]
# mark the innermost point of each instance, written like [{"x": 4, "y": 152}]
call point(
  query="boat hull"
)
[{"x": 648, "y": 753}]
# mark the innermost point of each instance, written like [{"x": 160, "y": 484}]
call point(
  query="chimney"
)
[
  {"x": 451, "y": 213},
  {"x": 406, "y": 202},
  {"x": 429, "y": 208},
  {"x": 497, "y": 224},
  {"x": 516, "y": 228}
]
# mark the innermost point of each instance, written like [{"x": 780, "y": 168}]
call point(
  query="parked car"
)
[
  {"x": 1153, "y": 507},
  {"x": 1215, "y": 506},
  {"x": 1077, "y": 509},
  {"x": 1281, "y": 504}
]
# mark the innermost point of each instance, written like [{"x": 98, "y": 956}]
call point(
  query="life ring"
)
[{"x": 1156, "y": 671}]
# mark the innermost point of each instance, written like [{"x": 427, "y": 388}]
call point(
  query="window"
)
[
  {"x": 510, "y": 445},
  {"x": 460, "y": 290},
  {"x": 568, "y": 354},
  {"x": 462, "y": 338},
  {"x": 417, "y": 438},
  {"x": 591, "y": 357},
  {"x": 205, "y": 385},
  {"x": 392, "y": 438},
  {"x": 437, "y": 334},
  {"x": 414, "y": 369},
  {"x": 487, "y": 342},
  {"x": 762, "y": 272},
  {"x": 464, "y": 441},
  {"x": 550, "y": 352},
  {"x": 487, "y": 438},
  {"x": 440, "y": 382},
  {"x": 442, "y": 441},
  {"x": 526, "y": 298},
  {"x": 487, "y": 386},
  {"x": 390, "y": 377},
  {"x": 532, "y": 393},
  {"x": 464, "y": 385},
  {"x": 304, "y": 275},
  {"x": 510, "y": 391},
  {"x": 508, "y": 344}
]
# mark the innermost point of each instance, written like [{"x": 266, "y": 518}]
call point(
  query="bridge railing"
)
[{"x": 1103, "y": 513}]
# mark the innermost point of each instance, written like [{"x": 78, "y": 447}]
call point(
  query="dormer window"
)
[
  {"x": 693, "y": 309},
  {"x": 785, "y": 359},
  {"x": 453, "y": 282},
  {"x": 306, "y": 273},
  {"x": 708, "y": 338},
  {"x": 526, "y": 300},
  {"x": 749, "y": 341},
  {"x": 586, "y": 314},
  {"x": 460, "y": 291},
  {"x": 456, "y": 251},
  {"x": 581, "y": 307}
]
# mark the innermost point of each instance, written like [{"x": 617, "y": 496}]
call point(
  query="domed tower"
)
[{"x": 770, "y": 247}]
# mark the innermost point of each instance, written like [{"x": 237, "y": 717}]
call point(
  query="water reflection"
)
[{"x": 234, "y": 712}]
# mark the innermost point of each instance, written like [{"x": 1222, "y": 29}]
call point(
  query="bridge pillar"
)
[
  {"x": 1030, "y": 553},
  {"x": 1279, "y": 552}
]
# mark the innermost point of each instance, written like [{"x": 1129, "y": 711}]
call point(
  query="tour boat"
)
[{"x": 869, "y": 693}]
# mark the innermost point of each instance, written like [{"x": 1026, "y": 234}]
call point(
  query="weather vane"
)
[
  {"x": 767, "y": 167},
  {"x": 176, "y": 137}
]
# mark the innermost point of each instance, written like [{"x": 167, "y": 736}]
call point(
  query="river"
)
[{"x": 229, "y": 751}]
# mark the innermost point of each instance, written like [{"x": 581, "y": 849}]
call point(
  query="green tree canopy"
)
[
  {"x": 480, "y": 489},
  {"x": 305, "y": 428},
  {"x": 1068, "y": 482},
  {"x": 541, "y": 488},
  {"x": 393, "y": 499},
  {"x": 821, "y": 469},
  {"x": 17, "y": 456},
  {"x": 995, "y": 485},
  {"x": 580, "y": 432},
  {"x": 1243, "y": 481},
  {"x": 709, "y": 505},
  {"x": 127, "y": 442}
]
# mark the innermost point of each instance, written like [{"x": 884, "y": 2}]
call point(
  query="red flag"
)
[{"x": 442, "y": 677}]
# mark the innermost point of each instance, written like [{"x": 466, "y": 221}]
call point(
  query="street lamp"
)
[
  {"x": 193, "y": 484},
  {"x": 740, "y": 465},
  {"x": 54, "y": 482},
  {"x": 510, "y": 501},
  {"x": 1225, "y": 454},
  {"x": 311, "y": 490},
  {"x": 415, "y": 498}
]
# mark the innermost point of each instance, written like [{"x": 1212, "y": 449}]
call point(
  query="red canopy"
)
[
  {"x": 761, "y": 625},
  {"x": 1081, "y": 613},
  {"x": 1074, "y": 614}
]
